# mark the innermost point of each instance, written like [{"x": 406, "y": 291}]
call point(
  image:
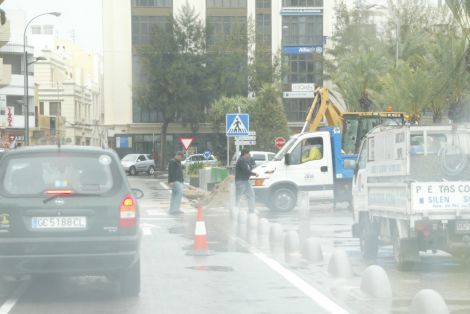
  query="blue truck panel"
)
[{"x": 338, "y": 156}]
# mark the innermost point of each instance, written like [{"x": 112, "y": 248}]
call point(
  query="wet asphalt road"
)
[
  {"x": 235, "y": 279},
  {"x": 230, "y": 281}
]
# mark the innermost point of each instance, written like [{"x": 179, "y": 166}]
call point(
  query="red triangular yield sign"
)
[{"x": 186, "y": 142}]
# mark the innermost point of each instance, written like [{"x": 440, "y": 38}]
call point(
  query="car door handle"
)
[{"x": 324, "y": 169}]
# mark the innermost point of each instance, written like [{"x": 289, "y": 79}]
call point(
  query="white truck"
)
[
  {"x": 294, "y": 168},
  {"x": 411, "y": 188}
]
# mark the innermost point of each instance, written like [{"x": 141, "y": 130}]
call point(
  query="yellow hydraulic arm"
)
[{"x": 321, "y": 107}]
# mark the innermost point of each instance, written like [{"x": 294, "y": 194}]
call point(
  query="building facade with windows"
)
[
  {"x": 296, "y": 30},
  {"x": 68, "y": 103}
]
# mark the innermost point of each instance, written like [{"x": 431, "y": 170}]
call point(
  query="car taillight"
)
[{"x": 128, "y": 212}]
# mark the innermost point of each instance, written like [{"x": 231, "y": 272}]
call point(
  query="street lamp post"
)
[{"x": 26, "y": 90}]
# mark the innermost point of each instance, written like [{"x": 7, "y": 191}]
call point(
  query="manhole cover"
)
[{"x": 211, "y": 268}]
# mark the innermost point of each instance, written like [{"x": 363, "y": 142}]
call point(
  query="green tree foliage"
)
[
  {"x": 413, "y": 61},
  {"x": 358, "y": 59},
  {"x": 268, "y": 117}
]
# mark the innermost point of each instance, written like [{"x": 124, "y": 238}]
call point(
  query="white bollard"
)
[
  {"x": 339, "y": 265},
  {"x": 292, "y": 248},
  {"x": 312, "y": 251},
  {"x": 428, "y": 301},
  {"x": 375, "y": 283}
]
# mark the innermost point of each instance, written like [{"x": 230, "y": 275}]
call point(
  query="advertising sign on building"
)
[
  {"x": 298, "y": 94},
  {"x": 303, "y": 87},
  {"x": 300, "y": 50},
  {"x": 10, "y": 113}
]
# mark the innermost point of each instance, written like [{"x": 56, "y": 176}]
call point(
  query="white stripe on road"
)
[
  {"x": 318, "y": 297},
  {"x": 147, "y": 231},
  {"x": 165, "y": 185},
  {"x": 11, "y": 302}
]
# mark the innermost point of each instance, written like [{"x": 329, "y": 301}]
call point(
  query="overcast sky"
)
[{"x": 84, "y": 17}]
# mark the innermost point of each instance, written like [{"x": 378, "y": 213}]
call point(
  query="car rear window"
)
[
  {"x": 259, "y": 157},
  {"x": 37, "y": 174}
]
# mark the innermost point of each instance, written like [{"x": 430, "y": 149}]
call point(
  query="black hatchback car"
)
[{"x": 68, "y": 210}]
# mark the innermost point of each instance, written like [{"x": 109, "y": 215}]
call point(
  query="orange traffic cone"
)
[{"x": 201, "y": 247}]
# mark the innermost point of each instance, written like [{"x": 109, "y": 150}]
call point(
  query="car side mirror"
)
[{"x": 287, "y": 159}]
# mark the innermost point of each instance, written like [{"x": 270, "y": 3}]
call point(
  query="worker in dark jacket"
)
[
  {"x": 242, "y": 180},
  {"x": 175, "y": 180}
]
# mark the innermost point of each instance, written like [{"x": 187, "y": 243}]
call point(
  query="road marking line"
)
[
  {"x": 147, "y": 231},
  {"x": 11, "y": 302},
  {"x": 318, "y": 297}
]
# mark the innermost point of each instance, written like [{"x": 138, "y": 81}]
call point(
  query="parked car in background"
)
[
  {"x": 199, "y": 158},
  {"x": 137, "y": 163},
  {"x": 71, "y": 211},
  {"x": 257, "y": 158}
]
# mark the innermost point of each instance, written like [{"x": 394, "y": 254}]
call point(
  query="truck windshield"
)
[
  {"x": 280, "y": 154},
  {"x": 357, "y": 126}
]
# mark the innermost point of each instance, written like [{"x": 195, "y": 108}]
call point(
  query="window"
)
[
  {"x": 17, "y": 103},
  {"x": 143, "y": 27},
  {"x": 308, "y": 150},
  {"x": 263, "y": 4},
  {"x": 302, "y": 30},
  {"x": 35, "y": 29},
  {"x": 41, "y": 108},
  {"x": 141, "y": 158},
  {"x": 271, "y": 156},
  {"x": 15, "y": 60},
  {"x": 259, "y": 157},
  {"x": 302, "y": 3},
  {"x": 84, "y": 174},
  {"x": 296, "y": 109},
  {"x": 263, "y": 30},
  {"x": 222, "y": 27},
  {"x": 303, "y": 68},
  {"x": 153, "y": 3},
  {"x": 362, "y": 162},
  {"x": 54, "y": 108},
  {"x": 226, "y": 4},
  {"x": 48, "y": 29}
]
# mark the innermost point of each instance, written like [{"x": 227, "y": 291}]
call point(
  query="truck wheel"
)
[
  {"x": 283, "y": 199},
  {"x": 129, "y": 281},
  {"x": 132, "y": 171},
  {"x": 368, "y": 241},
  {"x": 151, "y": 171},
  {"x": 401, "y": 254}
]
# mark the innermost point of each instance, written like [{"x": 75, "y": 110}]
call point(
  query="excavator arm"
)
[{"x": 322, "y": 106}]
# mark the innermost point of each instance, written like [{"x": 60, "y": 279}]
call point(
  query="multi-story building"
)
[
  {"x": 68, "y": 104},
  {"x": 295, "y": 29}
]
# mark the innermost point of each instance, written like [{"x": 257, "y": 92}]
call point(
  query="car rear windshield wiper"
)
[{"x": 54, "y": 196}]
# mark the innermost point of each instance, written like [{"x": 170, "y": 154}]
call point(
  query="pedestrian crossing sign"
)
[{"x": 237, "y": 124}]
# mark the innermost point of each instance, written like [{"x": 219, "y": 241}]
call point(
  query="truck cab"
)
[{"x": 308, "y": 162}]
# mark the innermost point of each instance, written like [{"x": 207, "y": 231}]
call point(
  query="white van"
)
[{"x": 259, "y": 157}]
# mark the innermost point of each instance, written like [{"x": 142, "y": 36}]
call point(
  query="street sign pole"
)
[{"x": 228, "y": 151}]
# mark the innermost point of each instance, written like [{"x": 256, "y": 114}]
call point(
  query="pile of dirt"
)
[{"x": 218, "y": 197}]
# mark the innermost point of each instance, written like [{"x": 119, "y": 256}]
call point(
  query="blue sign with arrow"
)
[{"x": 207, "y": 154}]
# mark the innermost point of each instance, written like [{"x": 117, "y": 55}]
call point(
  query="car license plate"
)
[
  {"x": 66, "y": 222},
  {"x": 462, "y": 227}
]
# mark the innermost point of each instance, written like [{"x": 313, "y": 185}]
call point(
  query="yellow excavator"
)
[{"x": 354, "y": 125}]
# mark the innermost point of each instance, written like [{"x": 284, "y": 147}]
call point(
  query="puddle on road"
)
[{"x": 211, "y": 268}]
